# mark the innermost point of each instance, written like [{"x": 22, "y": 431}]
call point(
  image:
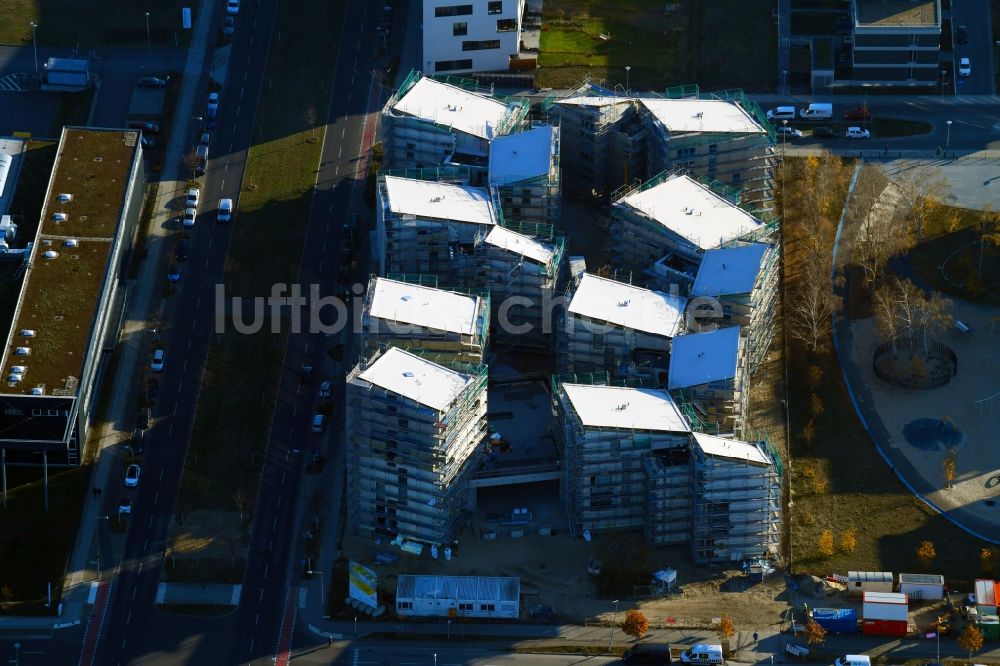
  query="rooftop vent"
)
[
  {"x": 71, "y": 242},
  {"x": 22, "y": 351},
  {"x": 700, "y": 114},
  {"x": 28, "y": 333},
  {"x": 407, "y": 373},
  {"x": 689, "y": 211},
  {"x": 405, "y": 297},
  {"x": 438, "y": 199},
  {"x": 50, "y": 254},
  {"x": 60, "y": 217},
  {"x": 623, "y": 304},
  {"x": 622, "y": 407},
  {"x": 38, "y": 390},
  {"x": 65, "y": 197}
]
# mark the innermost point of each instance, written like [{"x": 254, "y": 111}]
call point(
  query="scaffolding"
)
[
  {"x": 426, "y": 340},
  {"x": 736, "y": 504},
  {"x": 409, "y": 464},
  {"x": 534, "y": 200},
  {"x": 668, "y": 492},
  {"x": 604, "y": 476}
]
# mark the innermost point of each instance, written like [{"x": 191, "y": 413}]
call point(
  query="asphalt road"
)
[
  {"x": 275, "y": 565},
  {"x": 396, "y": 654},
  {"x": 133, "y": 628},
  {"x": 980, "y": 50}
]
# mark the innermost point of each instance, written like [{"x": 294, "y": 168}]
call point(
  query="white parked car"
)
[
  {"x": 158, "y": 359},
  {"x": 964, "y": 67},
  {"x": 790, "y": 132},
  {"x": 132, "y": 476},
  {"x": 192, "y": 198},
  {"x": 232, "y": 6},
  {"x": 189, "y": 217},
  {"x": 225, "y": 213},
  {"x": 857, "y": 133}
]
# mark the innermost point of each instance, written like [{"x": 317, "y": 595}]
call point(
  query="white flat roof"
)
[
  {"x": 625, "y": 408},
  {"x": 692, "y": 211},
  {"x": 439, "y": 201},
  {"x": 452, "y": 106},
  {"x": 517, "y": 157},
  {"x": 622, "y": 304},
  {"x": 520, "y": 244},
  {"x": 700, "y": 358},
  {"x": 415, "y": 378},
  {"x": 730, "y": 448},
  {"x": 702, "y": 115},
  {"x": 729, "y": 270},
  {"x": 424, "y": 306}
]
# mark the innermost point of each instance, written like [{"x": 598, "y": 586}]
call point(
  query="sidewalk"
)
[{"x": 133, "y": 348}]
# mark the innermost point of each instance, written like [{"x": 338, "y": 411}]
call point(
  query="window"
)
[
  {"x": 465, "y": 607},
  {"x": 506, "y": 25},
  {"x": 452, "y": 65},
  {"x": 453, "y": 10},
  {"x": 461, "y": 28},
  {"x": 403, "y": 423},
  {"x": 481, "y": 45},
  {"x": 488, "y": 607},
  {"x": 495, "y": 7},
  {"x": 13, "y": 411},
  {"x": 404, "y": 605}
]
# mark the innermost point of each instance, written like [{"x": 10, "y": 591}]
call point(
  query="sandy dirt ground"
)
[
  {"x": 977, "y": 457},
  {"x": 214, "y": 534}
]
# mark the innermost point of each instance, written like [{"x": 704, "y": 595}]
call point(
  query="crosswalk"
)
[{"x": 11, "y": 83}]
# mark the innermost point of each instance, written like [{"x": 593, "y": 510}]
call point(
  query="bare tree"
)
[
  {"x": 192, "y": 161},
  {"x": 310, "y": 118},
  {"x": 921, "y": 189},
  {"x": 904, "y": 312},
  {"x": 878, "y": 235},
  {"x": 988, "y": 230},
  {"x": 812, "y": 304}
]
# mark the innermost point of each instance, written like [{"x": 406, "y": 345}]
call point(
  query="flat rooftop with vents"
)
[{"x": 67, "y": 297}]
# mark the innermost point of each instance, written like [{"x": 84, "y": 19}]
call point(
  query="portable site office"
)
[{"x": 869, "y": 581}]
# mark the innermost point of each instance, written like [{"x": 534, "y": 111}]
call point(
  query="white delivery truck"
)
[
  {"x": 817, "y": 111},
  {"x": 703, "y": 653}
]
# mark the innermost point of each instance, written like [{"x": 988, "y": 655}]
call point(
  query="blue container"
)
[{"x": 837, "y": 620}]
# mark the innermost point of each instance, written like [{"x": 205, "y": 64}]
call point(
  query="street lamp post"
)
[
  {"x": 784, "y": 81},
  {"x": 435, "y": 659},
  {"x": 947, "y": 138},
  {"x": 944, "y": 73},
  {"x": 628, "y": 68},
  {"x": 147, "y": 36},
  {"x": 614, "y": 619},
  {"x": 17, "y": 654},
  {"x": 34, "y": 43}
]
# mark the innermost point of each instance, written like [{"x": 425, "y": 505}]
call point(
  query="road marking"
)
[
  {"x": 241, "y": 93},
  {"x": 194, "y": 324},
  {"x": 145, "y": 545},
  {"x": 340, "y": 152},
  {"x": 161, "y": 475},
  {"x": 175, "y": 409},
  {"x": 180, "y": 387},
  {"x": 222, "y": 185},
  {"x": 226, "y": 168},
  {"x": 283, "y": 478},
  {"x": 306, "y": 347},
  {"x": 134, "y": 589},
  {"x": 169, "y": 434},
  {"x": 270, "y": 545},
  {"x": 156, "y": 496},
  {"x": 140, "y": 567},
  {"x": 279, "y": 501},
  {"x": 324, "y": 247},
  {"x": 197, "y": 303},
  {"x": 210, "y": 239},
  {"x": 358, "y": 45},
  {"x": 260, "y": 597},
  {"x": 320, "y": 266},
  {"x": 251, "y": 644},
  {"x": 150, "y": 522},
  {"x": 184, "y": 367},
  {"x": 251, "y": 44},
  {"x": 275, "y": 525},
  {"x": 336, "y": 171},
  {"x": 331, "y": 210},
  {"x": 234, "y": 128},
  {"x": 189, "y": 343},
  {"x": 257, "y": 622},
  {"x": 237, "y": 115},
  {"x": 245, "y": 75},
  {"x": 230, "y": 145},
  {"x": 266, "y": 567},
  {"x": 343, "y": 131},
  {"x": 123, "y": 644},
  {"x": 293, "y": 411},
  {"x": 352, "y": 78},
  {"x": 348, "y": 96}
]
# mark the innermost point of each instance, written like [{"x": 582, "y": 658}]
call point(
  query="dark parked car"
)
[
  {"x": 152, "y": 389},
  {"x": 858, "y": 113},
  {"x": 144, "y": 418},
  {"x": 963, "y": 35},
  {"x": 307, "y": 373},
  {"x": 824, "y": 133},
  {"x": 146, "y": 126},
  {"x": 136, "y": 443},
  {"x": 181, "y": 251},
  {"x": 153, "y": 81}
]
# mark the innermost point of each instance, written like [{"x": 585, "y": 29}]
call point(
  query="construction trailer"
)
[
  {"x": 414, "y": 434},
  {"x": 603, "y": 141},
  {"x": 524, "y": 174},
  {"x": 859, "y": 582},
  {"x": 440, "y": 121},
  {"x": 425, "y": 227},
  {"x": 720, "y": 136},
  {"x": 735, "y": 500},
  {"x": 740, "y": 283},
  {"x": 708, "y": 371},
  {"x": 433, "y": 323},
  {"x": 986, "y": 597},
  {"x": 458, "y": 596},
  {"x": 619, "y": 328},
  {"x": 671, "y": 220},
  {"x": 884, "y": 614},
  {"x": 523, "y": 275},
  {"x": 922, "y": 586},
  {"x": 606, "y": 434}
]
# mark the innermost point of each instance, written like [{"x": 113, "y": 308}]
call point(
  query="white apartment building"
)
[{"x": 471, "y": 35}]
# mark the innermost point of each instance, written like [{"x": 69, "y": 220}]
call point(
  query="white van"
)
[
  {"x": 854, "y": 660},
  {"x": 780, "y": 113},
  {"x": 225, "y": 210},
  {"x": 817, "y": 111},
  {"x": 703, "y": 653}
]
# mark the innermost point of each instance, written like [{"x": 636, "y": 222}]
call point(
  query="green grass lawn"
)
[
  {"x": 236, "y": 403},
  {"x": 965, "y": 281},
  {"x": 93, "y": 23},
  {"x": 27, "y": 567},
  {"x": 891, "y": 128},
  {"x": 663, "y": 48}
]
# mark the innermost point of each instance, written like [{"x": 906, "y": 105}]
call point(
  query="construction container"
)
[
  {"x": 837, "y": 620},
  {"x": 897, "y": 628},
  {"x": 922, "y": 586},
  {"x": 986, "y": 597},
  {"x": 869, "y": 581},
  {"x": 884, "y": 606},
  {"x": 989, "y": 625}
]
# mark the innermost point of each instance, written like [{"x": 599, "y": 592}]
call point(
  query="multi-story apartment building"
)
[
  {"x": 896, "y": 42},
  {"x": 708, "y": 371},
  {"x": 471, "y": 35},
  {"x": 524, "y": 174}
]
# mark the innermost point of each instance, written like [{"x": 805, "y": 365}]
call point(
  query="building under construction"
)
[
  {"x": 663, "y": 226},
  {"x": 741, "y": 284},
  {"x": 614, "y": 327},
  {"x": 414, "y": 435},
  {"x": 735, "y": 500},
  {"x": 440, "y": 121},
  {"x": 708, "y": 372},
  {"x": 606, "y": 433},
  {"x": 436, "y": 324},
  {"x": 429, "y": 227},
  {"x": 523, "y": 275},
  {"x": 524, "y": 174}
]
